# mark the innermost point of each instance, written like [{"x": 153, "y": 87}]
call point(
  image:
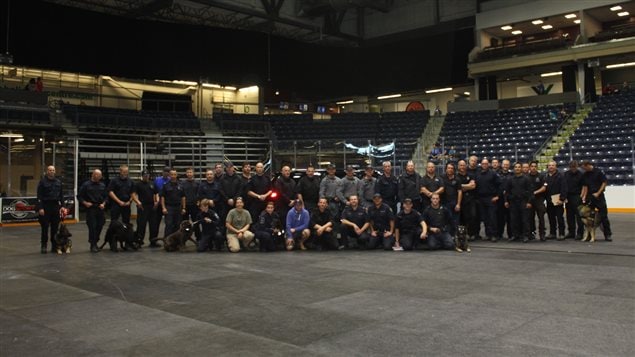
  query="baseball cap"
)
[
  {"x": 368, "y": 167},
  {"x": 330, "y": 166},
  {"x": 145, "y": 173},
  {"x": 377, "y": 195},
  {"x": 349, "y": 168},
  {"x": 407, "y": 200}
]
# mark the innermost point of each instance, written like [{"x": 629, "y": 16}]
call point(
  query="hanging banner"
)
[{"x": 374, "y": 151}]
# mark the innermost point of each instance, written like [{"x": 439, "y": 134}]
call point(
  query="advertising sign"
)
[{"x": 23, "y": 209}]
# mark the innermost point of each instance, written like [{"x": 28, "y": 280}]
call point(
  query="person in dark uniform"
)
[
  {"x": 439, "y": 222},
  {"x": 259, "y": 190},
  {"x": 322, "y": 227},
  {"x": 367, "y": 187},
  {"x": 355, "y": 224},
  {"x": 285, "y": 186},
  {"x": 210, "y": 189},
  {"x": 172, "y": 204},
  {"x": 430, "y": 184},
  {"x": 146, "y": 198},
  {"x": 556, "y": 185},
  {"x": 388, "y": 186},
  {"x": 411, "y": 228},
  {"x": 308, "y": 189},
  {"x": 518, "y": 194},
  {"x": 231, "y": 186},
  {"x": 210, "y": 223},
  {"x": 92, "y": 195},
  {"x": 120, "y": 195},
  {"x": 488, "y": 189},
  {"x": 503, "y": 218},
  {"x": 268, "y": 227},
  {"x": 452, "y": 195},
  {"x": 190, "y": 188},
  {"x": 594, "y": 182},
  {"x": 573, "y": 177},
  {"x": 49, "y": 203},
  {"x": 382, "y": 224},
  {"x": 410, "y": 186},
  {"x": 539, "y": 189},
  {"x": 218, "y": 171},
  {"x": 158, "y": 185},
  {"x": 469, "y": 210}
]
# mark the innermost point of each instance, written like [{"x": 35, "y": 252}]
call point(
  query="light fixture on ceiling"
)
[
  {"x": 623, "y": 13},
  {"x": 345, "y": 102},
  {"x": 506, "y": 27},
  {"x": 211, "y": 85},
  {"x": 439, "y": 90},
  {"x": 516, "y": 32},
  {"x": 616, "y": 8},
  {"x": 389, "y": 96},
  {"x": 537, "y": 22},
  {"x": 576, "y": 21},
  {"x": 620, "y": 65},
  {"x": 230, "y": 88},
  {"x": 570, "y": 16},
  {"x": 547, "y": 27},
  {"x": 550, "y": 74},
  {"x": 248, "y": 89}
]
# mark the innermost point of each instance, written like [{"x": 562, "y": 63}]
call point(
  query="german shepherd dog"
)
[
  {"x": 177, "y": 240},
  {"x": 121, "y": 233},
  {"x": 590, "y": 219},
  {"x": 460, "y": 241},
  {"x": 63, "y": 242}
]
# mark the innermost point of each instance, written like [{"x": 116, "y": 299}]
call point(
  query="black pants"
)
[
  {"x": 95, "y": 220},
  {"x": 488, "y": 214},
  {"x": 456, "y": 216},
  {"x": 537, "y": 208},
  {"x": 327, "y": 240},
  {"x": 442, "y": 240},
  {"x": 191, "y": 212},
  {"x": 158, "y": 216},
  {"x": 117, "y": 211},
  {"x": 350, "y": 239},
  {"x": 600, "y": 204},
  {"x": 556, "y": 218},
  {"x": 503, "y": 218},
  {"x": 470, "y": 217},
  {"x": 409, "y": 240},
  {"x": 49, "y": 222},
  {"x": 146, "y": 217},
  {"x": 209, "y": 241},
  {"x": 172, "y": 220},
  {"x": 266, "y": 241},
  {"x": 379, "y": 241},
  {"x": 519, "y": 217},
  {"x": 573, "y": 218}
]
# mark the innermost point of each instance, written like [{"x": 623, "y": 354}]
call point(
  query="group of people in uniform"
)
[{"x": 245, "y": 211}]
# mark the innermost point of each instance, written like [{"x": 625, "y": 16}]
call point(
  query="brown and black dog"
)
[
  {"x": 591, "y": 220},
  {"x": 63, "y": 242},
  {"x": 460, "y": 241},
  {"x": 177, "y": 240}
]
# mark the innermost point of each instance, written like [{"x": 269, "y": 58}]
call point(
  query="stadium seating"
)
[
  {"x": 505, "y": 134},
  {"x": 605, "y": 138},
  {"x": 26, "y": 115},
  {"x": 124, "y": 120}
]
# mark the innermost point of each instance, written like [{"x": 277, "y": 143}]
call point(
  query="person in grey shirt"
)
[
  {"x": 367, "y": 188},
  {"x": 329, "y": 186},
  {"x": 350, "y": 185}
]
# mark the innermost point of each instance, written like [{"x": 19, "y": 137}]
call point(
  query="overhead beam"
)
[{"x": 150, "y": 8}]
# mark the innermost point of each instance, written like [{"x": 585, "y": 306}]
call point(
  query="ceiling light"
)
[
  {"x": 516, "y": 32},
  {"x": 10, "y": 135},
  {"x": 550, "y": 74},
  {"x": 576, "y": 21},
  {"x": 466, "y": 93},
  {"x": 623, "y": 13},
  {"x": 619, "y": 65},
  {"x": 18, "y": 140},
  {"x": 616, "y": 8},
  {"x": 230, "y": 88},
  {"x": 345, "y": 102},
  {"x": 389, "y": 96},
  {"x": 570, "y": 16},
  {"x": 248, "y": 89},
  {"x": 187, "y": 83},
  {"x": 506, "y": 27},
  {"x": 438, "y": 90},
  {"x": 211, "y": 85},
  {"x": 547, "y": 27},
  {"x": 537, "y": 22}
]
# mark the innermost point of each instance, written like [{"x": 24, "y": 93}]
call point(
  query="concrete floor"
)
[{"x": 503, "y": 299}]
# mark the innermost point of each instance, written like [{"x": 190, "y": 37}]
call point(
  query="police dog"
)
[
  {"x": 177, "y": 240},
  {"x": 460, "y": 241},
  {"x": 63, "y": 242},
  {"x": 122, "y": 233},
  {"x": 590, "y": 219}
]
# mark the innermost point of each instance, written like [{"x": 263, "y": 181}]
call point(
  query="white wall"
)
[{"x": 620, "y": 197}]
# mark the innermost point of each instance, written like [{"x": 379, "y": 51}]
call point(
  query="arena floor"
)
[{"x": 503, "y": 299}]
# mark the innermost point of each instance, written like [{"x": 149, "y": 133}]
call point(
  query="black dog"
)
[
  {"x": 63, "y": 243},
  {"x": 121, "y": 233},
  {"x": 177, "y": 240},
  {"x": 460, "y": 241}
]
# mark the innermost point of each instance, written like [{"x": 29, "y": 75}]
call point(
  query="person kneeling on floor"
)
[
  {"x": 209, "y": 221},
  {"x": 297, "y": 229},
  {"x": 237, "y": 223},
  {"x": 439, "y": 223}
]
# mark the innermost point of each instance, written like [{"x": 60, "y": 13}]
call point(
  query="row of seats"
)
[{"x": 25, "y": 116}]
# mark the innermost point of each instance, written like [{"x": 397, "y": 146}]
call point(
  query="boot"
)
[
  {"x": 93, "y": 248},
  {"x": 43, "y": 248}
]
